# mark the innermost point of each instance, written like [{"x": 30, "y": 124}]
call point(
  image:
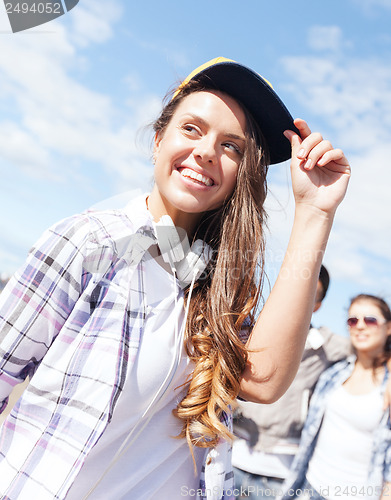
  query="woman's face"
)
[
  {"x": 368, "y": 336},
  {"x": 198, "y": 156}
]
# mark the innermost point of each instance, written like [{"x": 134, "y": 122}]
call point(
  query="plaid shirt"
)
[
  {"x": 73, "y": 317},
  {"x": 380, "y": 465}
]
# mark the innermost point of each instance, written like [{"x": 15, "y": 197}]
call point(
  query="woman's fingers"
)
[
  {"x": 316, "y": 152},
  {"x": 311, "y": 149},
  {"x": 334, "y": 155},
  {"x": 297, "y": 140},
  {"x": 293, "y": 138},
  {"x": 303, "y": 127}
]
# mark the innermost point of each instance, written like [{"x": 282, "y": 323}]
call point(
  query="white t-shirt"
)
[
  {"x": 259, "y": 462},
  {"x": 339, "y": 466},
  {"x": 277, "y": 462},
  {"x": 155, "y": 465}
]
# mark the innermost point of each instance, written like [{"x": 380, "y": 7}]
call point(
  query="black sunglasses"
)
[{"x": 368, "y": 320}]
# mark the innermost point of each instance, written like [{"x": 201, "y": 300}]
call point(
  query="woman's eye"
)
[
  {"x": 233, "y": 147},
  {"x": 189, "y": 128}
]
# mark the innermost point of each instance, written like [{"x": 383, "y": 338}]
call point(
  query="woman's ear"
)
[
  {"x": 317, "y": 305},
  {"x": 156, "y": 144}
]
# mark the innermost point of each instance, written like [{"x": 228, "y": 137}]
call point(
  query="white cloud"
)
[
  {"x": 9, "y": 262},
  {"x": 325, "y": 38},
  {"x": 19, "y": 147},
  {"x": 56, "y": 132},
  {"x": 365, "y": 217},
  {"x": 352, "y": 98},
  {"x": 92, "y": 21},
  {"x": 59, "y": 124},
  {"x": 371, "y": 6}
]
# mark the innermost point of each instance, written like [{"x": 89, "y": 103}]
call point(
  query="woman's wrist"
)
[
  {"x": 309, "y": 236},
  {"x": 311, "y": 221},
  {"x": 315, "y": 214}
]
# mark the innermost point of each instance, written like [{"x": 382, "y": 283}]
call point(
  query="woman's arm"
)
[
  {"x": 38, "y": 299},
  {"x": 387, "y": 392},
  {"x": 320, "y": 176}
]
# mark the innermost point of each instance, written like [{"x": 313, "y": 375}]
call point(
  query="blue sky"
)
[{"x": 76, "y": 93}]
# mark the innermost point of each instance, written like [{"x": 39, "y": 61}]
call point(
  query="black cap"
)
[{"x": 256, "y": 94}]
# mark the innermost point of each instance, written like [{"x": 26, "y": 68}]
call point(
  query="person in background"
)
[
  {"x": 269, "y": 435},
  {"x": 345, "y": 448}
]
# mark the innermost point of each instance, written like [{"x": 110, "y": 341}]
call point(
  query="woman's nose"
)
[
  {"x": 205, "y": 150},
  {"x": 361, "y": 323}
]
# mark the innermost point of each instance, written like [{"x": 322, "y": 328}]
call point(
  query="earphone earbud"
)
[
  {"x": 189, "y": 263},
  {"x": 194, "y": 263},
  {"x": 173, "y": 246}
]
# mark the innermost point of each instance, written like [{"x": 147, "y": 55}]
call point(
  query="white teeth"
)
[{"x": 187, "y": 172}]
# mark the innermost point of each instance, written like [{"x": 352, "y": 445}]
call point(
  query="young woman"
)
[
  {"x": 346, "y": 442},
  {"x": 137, "y": 345}
]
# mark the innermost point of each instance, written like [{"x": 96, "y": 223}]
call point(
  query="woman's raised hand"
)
[{"x": 320, "y": 173}]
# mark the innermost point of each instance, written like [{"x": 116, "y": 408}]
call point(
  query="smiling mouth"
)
[
  {"x": 362, "y": 337},
  {"x": 195, "y": 176}
]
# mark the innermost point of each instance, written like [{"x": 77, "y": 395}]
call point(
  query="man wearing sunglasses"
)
[{"x": 269, "y": 435}]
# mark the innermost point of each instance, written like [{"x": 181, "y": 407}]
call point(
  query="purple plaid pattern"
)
[{"x": 72, "y": 319}]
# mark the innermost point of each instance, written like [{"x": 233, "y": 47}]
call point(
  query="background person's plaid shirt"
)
[{"x": 380, "y": 466}]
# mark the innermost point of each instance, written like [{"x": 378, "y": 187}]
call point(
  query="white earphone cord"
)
[{"x": 159, "y": 393}]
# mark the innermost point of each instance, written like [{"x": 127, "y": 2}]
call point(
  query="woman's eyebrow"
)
[
  {"x": 198, "y": 118},
  {"x": 235, "y": 136},
  {"x": 205, "y": 123}
]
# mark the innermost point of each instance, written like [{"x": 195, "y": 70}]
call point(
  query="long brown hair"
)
[
  {"x": 228, "y": 292},
  {"x": 386, "y": 313}
]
